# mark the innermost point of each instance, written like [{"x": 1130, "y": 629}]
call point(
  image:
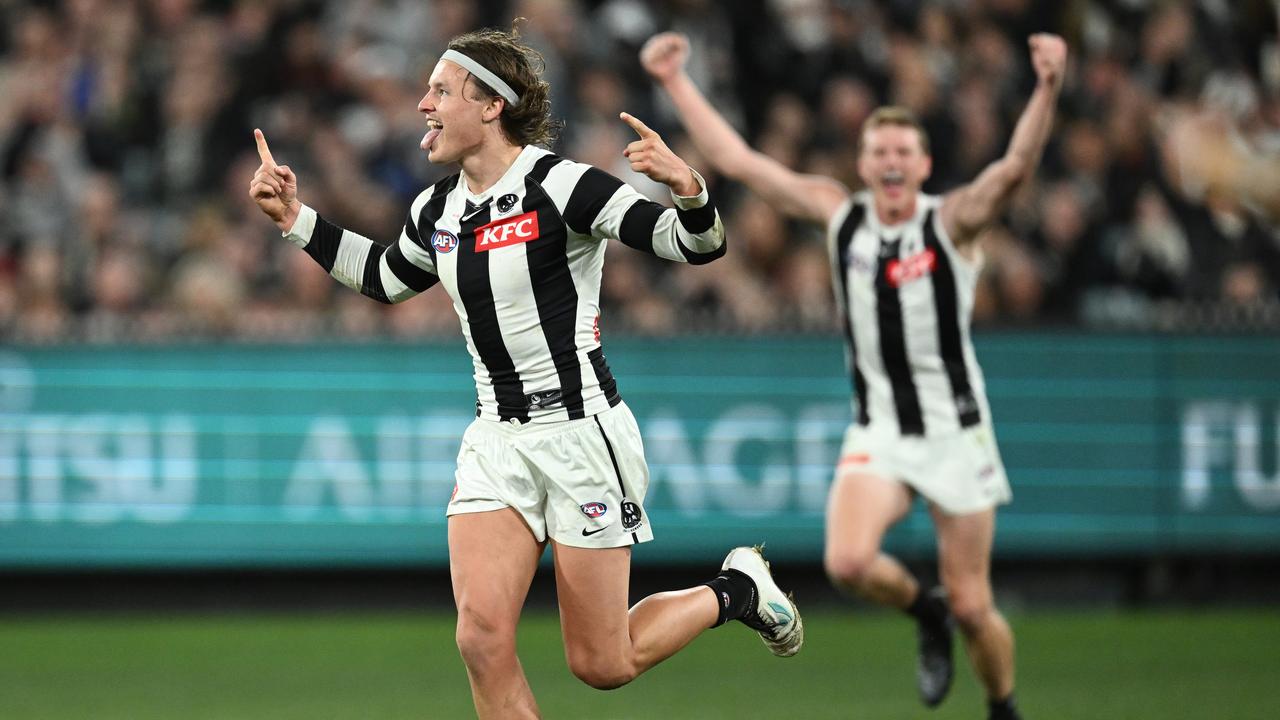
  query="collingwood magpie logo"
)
[
  {"x": 630, "y": 515},
  {"x": 506, "y": 202}
]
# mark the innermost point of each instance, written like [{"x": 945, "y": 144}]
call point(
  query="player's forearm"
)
[
  {"x": 1033, "y": 128},
  {"x": 718, "y": 142}
]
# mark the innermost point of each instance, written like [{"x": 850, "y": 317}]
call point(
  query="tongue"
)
[{"x": 429, "y": 138}]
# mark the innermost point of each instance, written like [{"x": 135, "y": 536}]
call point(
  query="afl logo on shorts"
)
[
  {"x": 630, "y": 515},
  {"x": 444, "y": 241},
  {"x": 594, "y": 509}
]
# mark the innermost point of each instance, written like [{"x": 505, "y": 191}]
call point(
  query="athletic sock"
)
[
  {"x": 736, "y": 594},
  {"x": 1005, "y": 709},
  {"x": 925, "y": 608}
]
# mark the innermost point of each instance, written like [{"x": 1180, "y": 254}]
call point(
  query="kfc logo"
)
[
  {"x": 901, "y": 272},
  {"x": 512, "y": 231}
]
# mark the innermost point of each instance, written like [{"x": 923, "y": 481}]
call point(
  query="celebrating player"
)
[
  {"x": 517, "y": 239},
  {"x": 905, "y": 265}
]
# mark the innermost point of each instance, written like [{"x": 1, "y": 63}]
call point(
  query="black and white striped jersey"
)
[
  {"x": 906, "y": 296},
  {"x": 522, "y": 263}
]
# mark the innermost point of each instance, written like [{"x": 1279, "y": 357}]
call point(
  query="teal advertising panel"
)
[{"x": 343, "y": 455}]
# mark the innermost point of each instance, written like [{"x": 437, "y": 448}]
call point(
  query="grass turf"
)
[{"x": 856, "y": 664}]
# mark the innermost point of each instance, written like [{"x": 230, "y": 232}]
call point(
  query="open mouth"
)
[
  {"x": 433, "y": 131},
  {"x": 893, "y": 179}
]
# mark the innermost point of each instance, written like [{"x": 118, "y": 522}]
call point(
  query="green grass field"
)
[{"x": 857, "y": 664}]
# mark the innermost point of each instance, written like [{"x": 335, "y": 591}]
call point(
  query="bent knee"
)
[
  {"x": 972, "y": 612},
  {"x": 848, "y": 568},
  {"x": 602, "y": 674}
]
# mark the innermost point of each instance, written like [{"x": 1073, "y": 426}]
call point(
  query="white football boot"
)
[{"x": 773, "y": 613}]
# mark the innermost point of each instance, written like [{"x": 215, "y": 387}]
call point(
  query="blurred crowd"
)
[{"x": 126, "y": 132}]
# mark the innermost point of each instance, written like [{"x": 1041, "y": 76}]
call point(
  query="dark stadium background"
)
[{"x": 221, "y": 473}]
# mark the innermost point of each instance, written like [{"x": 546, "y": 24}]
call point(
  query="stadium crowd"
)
[{"x": 126, "y": 132}]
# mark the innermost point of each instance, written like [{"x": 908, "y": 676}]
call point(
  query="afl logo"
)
[
  {"x": 444, "y": 241},
  {"x": 594, "y": 509}
]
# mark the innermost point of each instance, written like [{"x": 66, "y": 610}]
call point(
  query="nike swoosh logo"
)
[
  {"x": 476, "y": 210},
  {"x": 589, "y": 533}
]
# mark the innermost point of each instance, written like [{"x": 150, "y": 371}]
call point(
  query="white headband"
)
[{"x": 484, "y": 74}]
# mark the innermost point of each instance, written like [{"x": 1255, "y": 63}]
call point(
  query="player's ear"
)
[
  {"x": 493, "y": 109},
  {"x": 928, "y": 167}
]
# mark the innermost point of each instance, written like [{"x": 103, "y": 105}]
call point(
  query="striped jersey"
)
[
  {"x": 522, "y": 263},
  {"x": 906, "y": 298}
]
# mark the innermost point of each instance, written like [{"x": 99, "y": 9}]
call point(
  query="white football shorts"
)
[
  {"x": 959, "y": 472},
  {"x": 582, "y": 482}
]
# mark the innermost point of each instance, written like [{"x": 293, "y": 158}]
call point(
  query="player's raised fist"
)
[
  {"x": 664, "y": 55},
  {"x": 1048, "y": 57},
  {"x": 274, "y": 187}
]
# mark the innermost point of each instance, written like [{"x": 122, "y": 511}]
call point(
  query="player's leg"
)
[
  {"x": 606, "y": 645},
  {"x": 492, "y": 559},
  {"x": 964, "y": 562},
  {"x": 861, "y": 507}
]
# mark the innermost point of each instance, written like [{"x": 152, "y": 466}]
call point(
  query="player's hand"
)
[
  {"x": 651, "y": 156},
  {"x": 664, "y": 55},
  {"x": 274, "y": 187},
  {"x": 1049, "y": 58}
]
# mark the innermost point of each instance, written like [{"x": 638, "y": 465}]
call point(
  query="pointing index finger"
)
[
  {"x": 641, "y": 129},
  {"x": 264, "y": 152}
]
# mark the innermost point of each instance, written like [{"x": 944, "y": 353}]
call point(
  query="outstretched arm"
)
[
  {"x": 387, "y": 274},
  {"x": 967, "y": 210},
  {"x": 808, "y": 197}
]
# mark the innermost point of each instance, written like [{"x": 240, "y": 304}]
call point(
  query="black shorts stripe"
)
[
  {"x": 638, "y": 223},
  {"x": 476, "y": 293},
  {"x": 617, "y": 471},
  {"x": 698, "y": 220},
  {"x": 946, "y": 304},
  {"x": 555, "y": 295},
  {"x": 844, "y": 239},
  {"x": 893, "y": 344},
  {"x": 323, "y": 246},
  {"x": 594, "y": 190}
]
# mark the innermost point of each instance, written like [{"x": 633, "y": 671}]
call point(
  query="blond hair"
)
[{"x": 894, "y": 115}]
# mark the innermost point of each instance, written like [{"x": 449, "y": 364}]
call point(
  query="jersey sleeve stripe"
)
[
  {"x": 349, "y": 267},
  {"x": 408, "y": 272},
  {"x": 543, "y": 167},
  {"x": 698, "y": 220},
  {"x": 323, "y": 247},
  {"x": 694, "y": 257},
  {"x": 394, "y": 289},
  {"x": 590, "y": 195},
  {"x": 371, "y": 283},
  {"x": 638, "y": 224}
]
